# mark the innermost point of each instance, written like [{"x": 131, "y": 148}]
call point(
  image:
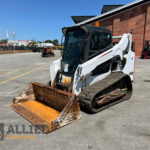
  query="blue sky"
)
[{"x": 43, "y": 19}]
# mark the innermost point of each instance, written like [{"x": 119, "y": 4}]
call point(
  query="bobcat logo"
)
[{"x": 1, "y": 131}]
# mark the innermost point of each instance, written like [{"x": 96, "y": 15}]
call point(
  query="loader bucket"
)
[{"x": 46, "y": 107}]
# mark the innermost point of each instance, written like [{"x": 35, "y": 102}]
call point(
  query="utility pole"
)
[
  {"x": 14, "y": 38},
  {"x": 7, "y": 35}
]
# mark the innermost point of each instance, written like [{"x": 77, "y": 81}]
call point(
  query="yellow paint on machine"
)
[
  {"x": 46, "y": 107},
  {"x": 66, "y": 80},
  {"x": 45, "y": 112}
]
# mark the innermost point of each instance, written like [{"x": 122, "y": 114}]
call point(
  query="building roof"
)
[
  {"x": 114, "y": 12},
  {"x": 78, "y": 19},
  {"x": 107, "y": 8}
]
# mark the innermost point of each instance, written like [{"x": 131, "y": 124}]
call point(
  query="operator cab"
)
[{"x": 82, "y": 44}]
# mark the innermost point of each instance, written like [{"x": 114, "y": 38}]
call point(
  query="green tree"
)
[
  {"x": 4, "y": 41},
  {"x": 39, "y": 41},
  {"x": 55, "y": 42},
  {"x": 48, "y": 41}
]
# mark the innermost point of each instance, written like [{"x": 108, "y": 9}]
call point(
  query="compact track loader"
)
[
  {"x": 92, "y": 72},
  {"x": 48, "y": 52}
]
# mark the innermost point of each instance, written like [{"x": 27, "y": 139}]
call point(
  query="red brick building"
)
[{"x": 134, "y": 16}]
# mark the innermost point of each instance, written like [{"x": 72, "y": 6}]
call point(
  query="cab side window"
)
[{"x": 99, "y": 43}]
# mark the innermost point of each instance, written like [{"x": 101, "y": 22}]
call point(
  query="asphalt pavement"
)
[{"x": 125, "y": 126}]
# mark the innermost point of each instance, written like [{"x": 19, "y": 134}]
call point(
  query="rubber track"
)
[{"x": 88, "y": 94}]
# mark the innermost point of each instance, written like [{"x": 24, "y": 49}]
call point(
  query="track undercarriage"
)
[{"x": 113, "y": 89}]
